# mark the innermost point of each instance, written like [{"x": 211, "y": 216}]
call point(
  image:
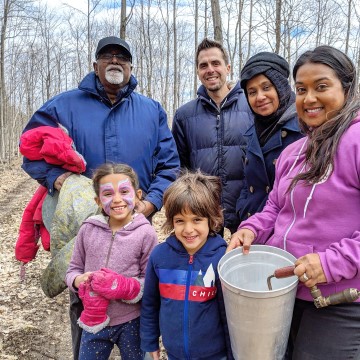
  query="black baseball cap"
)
[{"x": 114, "y": 41}]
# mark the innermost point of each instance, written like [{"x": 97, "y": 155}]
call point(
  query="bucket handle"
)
[
  {"x": 320, "y": 301},
  {"x": 281, "y": 273}
]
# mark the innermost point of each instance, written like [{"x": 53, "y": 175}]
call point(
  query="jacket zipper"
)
[
  {"x": 294, "y": 218},
  {"x": 186, "y": 308},
  {"x": 219, "y": 145},
  {"x": 293, "y": 209},
  {"x": 220, "y": 127},
  {"x": 110, "y": 247}
]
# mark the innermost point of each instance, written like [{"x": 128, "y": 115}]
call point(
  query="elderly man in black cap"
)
[
  {"x": 109, "y": 122},
  {"x": 113, "y": 65}
]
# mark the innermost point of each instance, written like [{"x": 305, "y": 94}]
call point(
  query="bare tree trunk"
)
[
  {"x": 123, "y": 19},
  {"x": 91, "y": 7},
  {"x": 141, "y": 60},
  {"x": 196, "y": 43},
  {"x": 175, "y": 63},
  {"x": 167, "y": 70},
  {"x": 3, "y": 102},
  {"x": 206, "y": 30},
  {"x": 89, "y": 38},
  {"x": 278, "y": 26},
  {"x": 348, "y": 27},
  {"x": 250, "y": 29},
  {"x": 319, "y": 25},
  {"x": 166, "y": 20},
  {"x": 240, "y": 13},
  {"x": 149, "y": 70},
  {"x": 215, "y": 9}
]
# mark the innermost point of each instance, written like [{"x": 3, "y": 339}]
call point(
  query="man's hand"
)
[
  {"x": 244, "y": 238},
  {"x": 145, "y": 207},
  {"x": 155, "y": 355},
  {"x": 60, "y": 180}
]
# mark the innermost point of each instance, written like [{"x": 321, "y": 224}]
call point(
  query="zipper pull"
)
[
  {"x": 217, "y": 121},
  {"x": 191, "y": 259}
]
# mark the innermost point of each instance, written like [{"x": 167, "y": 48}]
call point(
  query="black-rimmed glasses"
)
[{"x": 109, "y": 57}]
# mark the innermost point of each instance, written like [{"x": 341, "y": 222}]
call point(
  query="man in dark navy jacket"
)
[
  {"x": 209, "y": 130},
  {"x": 109, "y": 122}
]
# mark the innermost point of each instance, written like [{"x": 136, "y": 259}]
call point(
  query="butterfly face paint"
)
[
  {"x": 110, "y": 196},
  {"x": 127, "y": 193},
  {"x": 106, "y": 196}
]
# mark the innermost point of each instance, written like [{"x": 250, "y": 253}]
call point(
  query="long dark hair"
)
[{"x": 324, "y": 140}]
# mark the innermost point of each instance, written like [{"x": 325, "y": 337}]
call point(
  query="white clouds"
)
[{"x": 78, "y": 4}]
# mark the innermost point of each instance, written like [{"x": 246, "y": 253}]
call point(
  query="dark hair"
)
[
  {"x": 208, "y": 44},
  {"x": 197, "y": 193},
  {"x": 324, "y": 140},
  {"x": 110, "y": 168}
]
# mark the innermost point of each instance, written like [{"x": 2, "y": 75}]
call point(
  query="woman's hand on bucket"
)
[{"x": 244, "y": 238}]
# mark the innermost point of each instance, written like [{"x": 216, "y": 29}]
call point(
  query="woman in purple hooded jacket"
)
[{"x": 313, "y": 209}]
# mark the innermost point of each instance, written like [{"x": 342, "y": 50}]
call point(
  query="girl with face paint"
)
[{"x": 108, "y": 265}]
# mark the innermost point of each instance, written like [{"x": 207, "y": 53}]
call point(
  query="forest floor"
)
[{"x": 32, "y": 326}]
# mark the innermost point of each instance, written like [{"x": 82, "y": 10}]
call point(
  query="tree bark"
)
[
  {"x": 278, "y": 26},
  {"x": 196, "y": 44},
  {"x": 348, "y": 27},
  {"x": 123, "y": 20},
  {"x": 215, "y": 9}
]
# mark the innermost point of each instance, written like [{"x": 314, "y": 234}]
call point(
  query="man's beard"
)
[
  {"x": 114, "y": 77},
  {"x": 214, "y": 87}
]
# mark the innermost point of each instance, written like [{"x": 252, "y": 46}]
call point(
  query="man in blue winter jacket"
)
[
  {"x": 109, "y": 122},
  {"x": 209, "y": 130}
]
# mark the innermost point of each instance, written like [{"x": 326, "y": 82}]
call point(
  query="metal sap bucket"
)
[{"x": 258, "y": 319}]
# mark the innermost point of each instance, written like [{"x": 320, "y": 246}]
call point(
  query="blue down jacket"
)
[
  {"x": 259, "y": 163},
  {"x": 134, "y": 130},
  {"x": 183, "y": 302},
  {"x": 211, "y": 139}
]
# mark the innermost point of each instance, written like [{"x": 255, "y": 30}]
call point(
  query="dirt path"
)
[{"x": 32, "y": 325}]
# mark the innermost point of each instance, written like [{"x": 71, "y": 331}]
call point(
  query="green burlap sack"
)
[
  {"x": 74, "y": 205},
  {"x": 52, "y": 279}
]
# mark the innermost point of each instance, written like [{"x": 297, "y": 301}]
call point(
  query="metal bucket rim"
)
[{"x": 246, "y": 292}]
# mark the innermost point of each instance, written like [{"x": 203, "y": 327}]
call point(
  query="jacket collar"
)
[
  {"x": 274, "y": 142},
  {"x": 103, "y": 221},
  {"x": 230, "y": 98}
]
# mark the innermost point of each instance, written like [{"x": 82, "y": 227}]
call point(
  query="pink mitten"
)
[
  {"x": 114, "y": 286},
  {"x": 93, "y": 318}
]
